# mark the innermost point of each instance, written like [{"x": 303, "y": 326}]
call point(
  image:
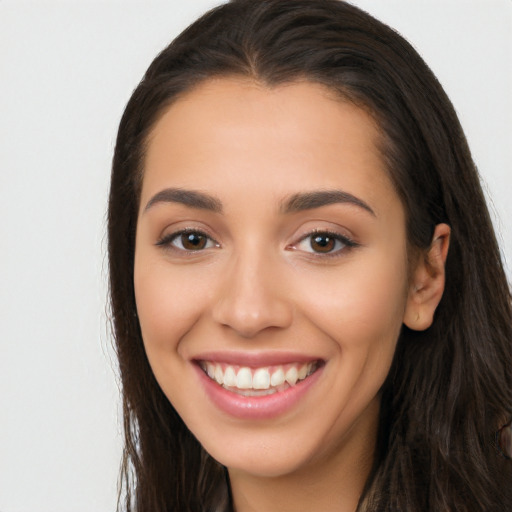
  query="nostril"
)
[{"x": 251, "y": 312}]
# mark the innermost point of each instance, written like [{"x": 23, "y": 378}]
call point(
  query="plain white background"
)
[{"x": 67, "y": 69}]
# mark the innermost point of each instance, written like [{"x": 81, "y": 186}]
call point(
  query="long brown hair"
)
[{"x": 450, "y": 387}]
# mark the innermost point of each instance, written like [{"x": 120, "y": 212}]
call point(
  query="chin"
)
[
  {"x": 263, "y": 466},
  {"x": 265, "y": 456}
]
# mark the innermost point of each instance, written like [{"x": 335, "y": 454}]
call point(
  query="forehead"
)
[{"x": 241, "y": 133}]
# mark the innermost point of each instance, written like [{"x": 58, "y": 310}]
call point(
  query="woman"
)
[{"x": 308, "y": 300}]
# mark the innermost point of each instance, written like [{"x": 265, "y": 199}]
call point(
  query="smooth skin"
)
[{"x": 254, "y": 278}]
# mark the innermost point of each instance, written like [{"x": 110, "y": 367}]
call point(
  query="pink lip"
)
[
  {"x": 259, "y": 407},
  {"x": 255, "y": 360}
]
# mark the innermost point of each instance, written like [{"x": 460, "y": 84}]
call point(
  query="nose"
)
[{"x": 253, "y": 298}]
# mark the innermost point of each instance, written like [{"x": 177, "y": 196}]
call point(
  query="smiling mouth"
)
[{"x": 262, "y": 381}]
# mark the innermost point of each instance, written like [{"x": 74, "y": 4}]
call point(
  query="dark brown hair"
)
[{"x": 450, "y": 387}]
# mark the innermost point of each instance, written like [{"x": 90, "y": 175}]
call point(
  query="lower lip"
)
[{"x": 257, "y": 407}]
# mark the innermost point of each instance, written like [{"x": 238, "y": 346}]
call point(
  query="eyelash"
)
[{"x": 347, "y": 243}]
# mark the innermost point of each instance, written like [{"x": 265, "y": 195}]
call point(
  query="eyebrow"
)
[
  {"x": 316, "y": 199},
  {"x": 190, "y": 198},
  {"x": 295, "y": 203}
]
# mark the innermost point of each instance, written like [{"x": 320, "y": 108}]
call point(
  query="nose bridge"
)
[{"x": 253, "y": 296}]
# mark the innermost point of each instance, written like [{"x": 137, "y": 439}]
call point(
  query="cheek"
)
[
  {"x": 168, "y": 304},
  {"x": 362, "y": 308}
]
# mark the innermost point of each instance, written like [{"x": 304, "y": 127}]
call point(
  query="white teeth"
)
[
  {"x": 219, "y": 374},
  {"x": 261, "y": 379},
  {"x": 244, "y": 379},
  {"x": 230, "y": 377},
  {"x": 277, "y": 378},
  {"x": 292, "y": 376}
]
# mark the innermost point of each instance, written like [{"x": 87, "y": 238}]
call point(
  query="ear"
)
[{"x": 427, "y": 282}]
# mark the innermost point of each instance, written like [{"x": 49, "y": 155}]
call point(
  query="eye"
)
[
  {"x": 188, "y": 240},
  {"x": 324, "y": 242}
]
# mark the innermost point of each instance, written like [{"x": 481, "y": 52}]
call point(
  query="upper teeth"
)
[{"x": 257, "y": 378}]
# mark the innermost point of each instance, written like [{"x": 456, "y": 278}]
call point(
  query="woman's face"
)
[{"x": 270, "y": 273}]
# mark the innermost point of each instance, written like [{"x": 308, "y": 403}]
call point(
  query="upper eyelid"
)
[{"x": 331, "y": 232}]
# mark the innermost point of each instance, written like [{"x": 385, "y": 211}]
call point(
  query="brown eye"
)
[
  {"x": 193, "y": 241},
  {"x": 325, "y": 243},
  {"x": 187, "y": 241},
  {"x": 322, "y": 243}
]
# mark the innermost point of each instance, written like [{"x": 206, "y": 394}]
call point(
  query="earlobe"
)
[{"x": 427, "y": 282}]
